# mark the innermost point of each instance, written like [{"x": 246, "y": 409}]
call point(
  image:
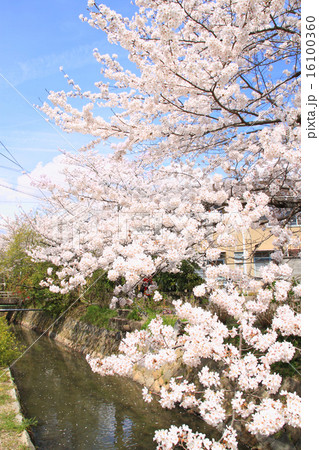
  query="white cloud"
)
[
  {"x": 24, "y": 193},
  {"x": 46, "y": 65}
]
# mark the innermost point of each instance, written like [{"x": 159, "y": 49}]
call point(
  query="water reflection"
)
[{"x": 77, "y": 409}]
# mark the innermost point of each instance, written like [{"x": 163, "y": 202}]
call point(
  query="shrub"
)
[
  {"x": 10, "y": 348},
  {"x": 183, "y": 281},
  {"x": 135, "y": 315}
]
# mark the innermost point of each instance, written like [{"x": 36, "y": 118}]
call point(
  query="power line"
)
[
  {"x": 12, "y": 156},
  {"x": 10, "y": 168},
  {"x": 5, "y": 156},
  {"x": 26, "y": 173},
  {"x": 14, "y": 160},
  {"x": 20, "y": 191},
  {"x": 36, "y": 110}
]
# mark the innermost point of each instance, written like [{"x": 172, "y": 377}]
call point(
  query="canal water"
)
[{"x": 78, "y": 409}]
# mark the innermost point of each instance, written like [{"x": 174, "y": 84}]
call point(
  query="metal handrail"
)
[{"x": 20, "y": 309}]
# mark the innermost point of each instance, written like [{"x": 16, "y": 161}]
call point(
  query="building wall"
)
[{"x": 257, "y": 246}]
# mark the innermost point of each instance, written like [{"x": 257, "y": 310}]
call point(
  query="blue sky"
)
[{"x": 36, "y": 38}]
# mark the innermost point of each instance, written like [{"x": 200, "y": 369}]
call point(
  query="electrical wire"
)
[
  {"x": 36, "y": 110},
  {"x": 10, "y": 168},
  {"x": 20, "y": 191}
]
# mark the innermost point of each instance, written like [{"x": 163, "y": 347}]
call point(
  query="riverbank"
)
[
  {"x": 72, "y": 332},
  {"x": 13, "y": 434},
  {"x": 86, "y": 338},
  {"x": 78, "y": 409},
  {"x": 89, "y": 339}
]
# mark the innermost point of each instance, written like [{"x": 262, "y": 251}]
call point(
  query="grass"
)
[
  {"x": 134, "y": 315},
  {"x": 11, "y": 427},
  {"x": 98, "y": 316},
  {"x": 5, "y": 398},
  {"x": 5, "y": 384},
  {"x": 9, "y": 423},
  {"x": 167, "y": 319}
]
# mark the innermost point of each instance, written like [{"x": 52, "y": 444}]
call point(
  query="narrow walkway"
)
[{"x": 12, "y": 433}]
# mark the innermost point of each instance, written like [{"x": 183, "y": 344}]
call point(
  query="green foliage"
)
[
  {"x": 22, "y": 275},
  {"x": 9, "y": 423},
  {"x": 5, "y": 398},
  {"x": 42, "y": 297},
  {"x": 55, "y": 306},
  {"x": 98, "y": 287},
  {"x": 169, "y": 320},
  {"x": 15, "y": 265},
  {"x": 151, "y": 314},
  {"x": 135, "y": 314},
  {"x": 99, "y": 316},
  {"x": 292, "y": 368},
  {"x": 10, "y": 348},
  {"x": 183, "y": 281}
]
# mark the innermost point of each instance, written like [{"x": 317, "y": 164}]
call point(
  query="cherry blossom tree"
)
[
  {"x": 217, "y": 81},
  {"x": 132, "y": 223},
  {"x": 206, "y": 139}
]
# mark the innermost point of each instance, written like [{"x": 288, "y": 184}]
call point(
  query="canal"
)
[{"x": 78, "y": 409}]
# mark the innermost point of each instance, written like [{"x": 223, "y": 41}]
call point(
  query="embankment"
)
[
  {"x": 13, "y": 435},
  {"x": 98, "y": 342}
]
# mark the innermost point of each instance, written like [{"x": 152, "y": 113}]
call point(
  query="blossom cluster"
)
[
  {"x": 206, "y": 337},
  {"x": 184, "y": 436}
]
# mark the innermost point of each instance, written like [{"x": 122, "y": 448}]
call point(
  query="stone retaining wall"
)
[
  {"x": 98, "y": 342},
  {"x": 75, "y": 334}
]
